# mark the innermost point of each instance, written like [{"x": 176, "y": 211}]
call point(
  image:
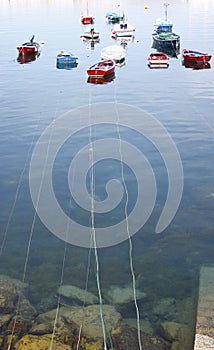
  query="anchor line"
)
[
  {"x": 128, "y": 229},
  {"x": 17, "y": 312},
  {"x": 16, "y": 198}
]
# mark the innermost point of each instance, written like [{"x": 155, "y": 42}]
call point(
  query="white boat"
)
[
  {"x": 114, "y": 52},
  {"x": 123, "y": 29},
  {"x": 91, "y": 35}
]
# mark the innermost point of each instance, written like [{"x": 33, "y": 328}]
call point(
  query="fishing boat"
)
[
  {"x": 91, "y": 35},
  {"x": 86, "y": 17},
  {"x": 65, "y": 57},
  {"x": 158, "y": 60},
  {"x": 115, "y": 53},
  {"x": 113, "y": 17},
  {"x": 123, "y": 29},
  {"x": 101, "y": 69},
  {"x": 166, "y": 40},
  {"x": 30, "y": 47},
  {"x": 163, "y": 24},
  {"x": 195, "y": 56}
]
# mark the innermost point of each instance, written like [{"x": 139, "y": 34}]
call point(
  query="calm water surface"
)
[{"x": 34, "y": 94}]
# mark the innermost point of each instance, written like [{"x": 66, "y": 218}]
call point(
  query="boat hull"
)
[
  {"x": 164, "y": 40},
  {"x": 87, "y": 20},
  {"x": 195, "y": 56},
  {"x": 26, "y": 49},
  {"x": 102, "y": 69}
]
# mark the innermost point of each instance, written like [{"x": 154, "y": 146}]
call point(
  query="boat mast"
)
[{"x": 166, "y": 5}]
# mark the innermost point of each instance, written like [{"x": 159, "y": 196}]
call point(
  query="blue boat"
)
[
  {"x": 163, "y": 25},
  {"x": 66, "y": 58},
  {"x": 113, "y": 17}
]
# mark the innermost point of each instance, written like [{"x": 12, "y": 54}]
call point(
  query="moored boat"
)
[
  {"x": 158, "y": 59},
  {"x": 65, "y": 57},
  {"x": 30, "y": 47},
  {"x": 195, "y": 56},
  {"x": 101, "y": 69},
  {"x": 166, "y": 40},
  {"x": 113, "y": 17},
  {"x": 114, "y": 52},
  {"x": 163, "y": 24},
  {"x": 91, "y": 35},
  {"x": 123, "y": 29}
]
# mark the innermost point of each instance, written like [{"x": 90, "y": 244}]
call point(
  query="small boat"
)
[
  {"x": 113, "y": 17},
  {"x": 123, "y": 29},
  {"x": 195, "y": 56},
  {"x": 158, "y": 60},
  {"x": 163, "y": 24},
  {"x": 101, "y": 69},
  {"x": 91, "y": 35},
  {"x": 166, "y": 40},
  {"x": 87, "y": 19},
  {"x": 30, "y": 47},
  {"x": 65, "y": 57},
  {"x": 114, "y": 52}
]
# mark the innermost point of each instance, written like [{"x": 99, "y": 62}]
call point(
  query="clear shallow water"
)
[{"x": 34, "y": 94}]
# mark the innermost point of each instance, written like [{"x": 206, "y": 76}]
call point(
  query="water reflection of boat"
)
[
  {"x": 30, "y": 57},
  {"x": 196, "y": 66},
  {"x": 103, "y": 80},
  {"x": 170, "y": 51},
  {"x": 66, "y": 65},
  {"x": 124, "y": 42}
]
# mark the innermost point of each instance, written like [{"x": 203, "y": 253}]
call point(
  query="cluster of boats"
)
[{"x": 164, "y": 40}]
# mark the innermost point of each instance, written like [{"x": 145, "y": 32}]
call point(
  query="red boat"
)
[
  {"x": 195, "y": 56},
  {"x": 101, "y": 69},
  {"x": 30, "y": 47},
  {"x": 87, "y": 19},
  {"x": 158, "y": 59}
]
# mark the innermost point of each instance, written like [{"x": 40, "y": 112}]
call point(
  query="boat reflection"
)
[
  {"x": 170, "y": 51},
  {"x": 30, "y": 57},
  {"x": 196, "y": 66},
  {"x": 101, "y": 80},
  {"x": 90, "y": 43},
  {"x": 158, "y": 65},
  {"x": 68, "y": 66},
  {"x": 123, "y": 41}
]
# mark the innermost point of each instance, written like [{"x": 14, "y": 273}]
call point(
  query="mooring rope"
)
[
  {"x": 128, "y": 229},
  {"x": 16, "y": 197},
  {"x": 93, "y": 230},
  {"x": 29, "y": 244}
]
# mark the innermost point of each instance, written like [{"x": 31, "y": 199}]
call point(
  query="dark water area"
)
[{"x": 36, "y": 94}]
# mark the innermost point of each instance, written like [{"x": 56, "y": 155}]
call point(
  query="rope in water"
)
[
  {"x": 16, "y": 197},
  {"x": 128, "y": 230},
  {"x": 93, "y": 230}
]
